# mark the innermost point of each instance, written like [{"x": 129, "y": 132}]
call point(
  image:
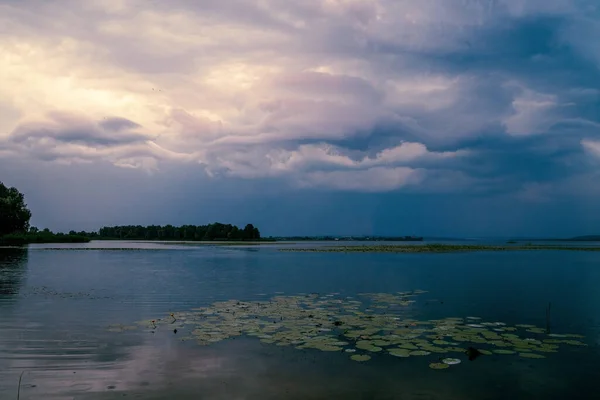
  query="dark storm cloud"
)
[{"x": 479, "y": 102}]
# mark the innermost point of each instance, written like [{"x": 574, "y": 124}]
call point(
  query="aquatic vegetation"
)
[
  {"x": 451, "y": 361},
  {"x": 357, "y": 326},
  {"x": 435, "y": 248},
  {"x": 502, "y": 351},
  {"x": 19, "y": 387},
  {"x": 438, "y": 366},
  {"x": 420, "y": 353},
  {"x": 399, "y": 352}
]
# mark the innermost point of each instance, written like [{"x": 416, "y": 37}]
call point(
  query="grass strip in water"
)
[{"x": 435, "y": 248}]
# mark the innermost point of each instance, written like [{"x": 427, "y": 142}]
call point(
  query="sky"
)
[{"x": 347, "y": 117}]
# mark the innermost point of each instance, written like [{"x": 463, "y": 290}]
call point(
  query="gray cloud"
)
[
  {"x": 493, "y": 96},
  {"x": 118, "y": 124}
]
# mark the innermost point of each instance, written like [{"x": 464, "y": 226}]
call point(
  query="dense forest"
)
[{"x": 216, "y": 231}]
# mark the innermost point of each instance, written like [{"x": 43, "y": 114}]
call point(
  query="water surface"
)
[{"x": 55, "y": 306}]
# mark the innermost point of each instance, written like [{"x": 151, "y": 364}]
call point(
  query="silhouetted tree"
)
[
  {"x": 250, "y": 232},
  {"x": 14, "y": 214},
  {"x": 216, "y": 231}
]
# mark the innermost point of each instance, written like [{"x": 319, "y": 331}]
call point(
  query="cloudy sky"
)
[{"x": 431, "y": 117}]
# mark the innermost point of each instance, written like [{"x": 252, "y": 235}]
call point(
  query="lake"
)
[{"x": 59, "y": 308}]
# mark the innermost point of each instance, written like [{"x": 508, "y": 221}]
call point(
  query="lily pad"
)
[
  {"x": 536, "y": 330},
  {"x": 368, "y": 347},
  {"x": 438, "y": 366},
  {"x": 574, "y": 343},
  {"x": 503, "y": 351},
  {"x": 399, "y": 352},
  {"x": 451, "y": 361},
  {"x": 419, "y": 353},
  {"x": 408, "y": 346},
  {"x": 360, "y": 357}
]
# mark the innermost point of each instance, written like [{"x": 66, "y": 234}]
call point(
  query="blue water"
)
[{"x": 55, "y": 306}]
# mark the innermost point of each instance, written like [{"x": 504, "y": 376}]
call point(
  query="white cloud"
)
[
  {"x": 262, "y": 162},
  {"x": 532, "y": 112},
  {"x": 592, "y": 146},
  {"x": 377, "y": 179}
]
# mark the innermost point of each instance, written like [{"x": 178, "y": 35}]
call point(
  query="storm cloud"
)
[{"x": 496, "y": 98}]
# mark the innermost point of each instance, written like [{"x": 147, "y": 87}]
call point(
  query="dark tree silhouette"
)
[
  {"x": 216, "y": 231},
  {"x": 14, "y": 214}
]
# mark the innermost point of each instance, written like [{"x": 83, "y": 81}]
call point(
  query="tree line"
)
[
  {"x": 215, "y": 231},
  {"x": 15, "y": 228}
]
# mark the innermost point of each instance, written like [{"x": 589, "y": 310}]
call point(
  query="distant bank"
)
[
  {"x": 586, "y": 238},
  {"x": 211, "y": 232},
  {"x": 347, "y": 238}
]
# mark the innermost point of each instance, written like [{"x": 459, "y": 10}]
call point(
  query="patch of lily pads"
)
[{"x": 360, "y": 327}]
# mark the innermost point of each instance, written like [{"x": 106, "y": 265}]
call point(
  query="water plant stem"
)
[{"x": 19, "y": 388}]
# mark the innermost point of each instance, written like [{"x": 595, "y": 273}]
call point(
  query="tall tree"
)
[
  {"x": 14, "y": 214},
  {"x": 250, "y": 232}
]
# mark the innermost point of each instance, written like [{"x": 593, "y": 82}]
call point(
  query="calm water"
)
[{"x": 55, "y": 306}]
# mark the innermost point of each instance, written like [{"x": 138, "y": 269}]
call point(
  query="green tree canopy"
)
[
  {"x": 215, "y": 231},
  {"x": 14, "y": 214}
]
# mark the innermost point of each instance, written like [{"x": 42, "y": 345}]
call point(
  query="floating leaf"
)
[
  {"x": 544, "y": 349},
  {"x": 502, "y": 351},
  {"x": 419, "y": 353},
  {"x": 360, "y": 357},
  {"x": 451, "y": 361},
  {"x": 399, "y": 352},
  {"x": 409, "y": 346},
  {"x": 536, "y": 330},
  {"x": 574, "y": 343},
  {"x": 438, "y": 366},
  {"x": 380, "y": 343}
]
